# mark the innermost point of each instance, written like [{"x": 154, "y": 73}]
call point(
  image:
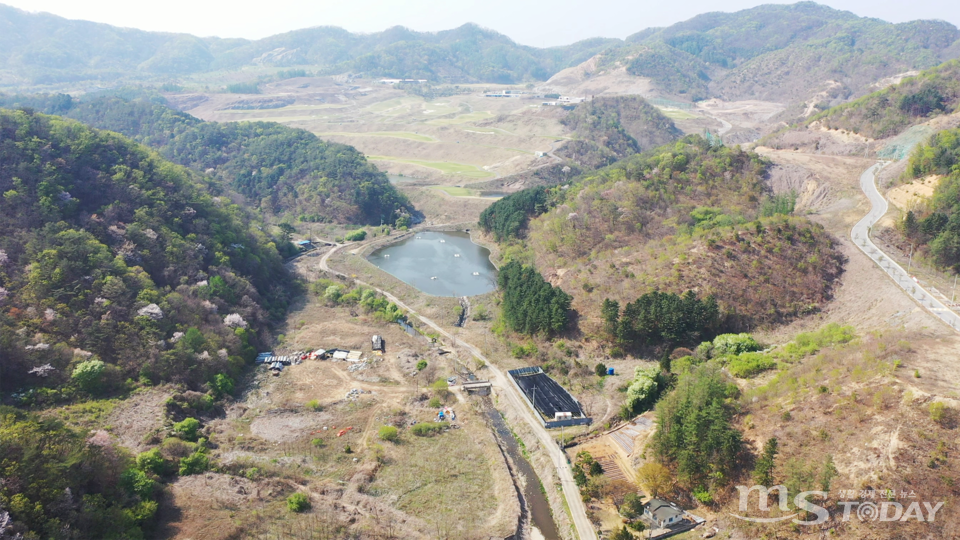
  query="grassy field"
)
[
  {"x": 446, "y": 167},
  {"x": 677, "y": 114},
  {"x": 395, "y": 134},
  {"x": 461, "y": 119},
  {"x": 456, "y": 191},
  {"x": 488, "y": 131}
]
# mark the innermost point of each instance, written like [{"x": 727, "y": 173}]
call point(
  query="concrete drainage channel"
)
[{"x": 533, "y": 503}]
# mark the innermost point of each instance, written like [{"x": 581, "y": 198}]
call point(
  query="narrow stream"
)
[{"x": 534, "y": 502}]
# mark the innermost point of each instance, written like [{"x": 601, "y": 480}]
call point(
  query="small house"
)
[
  {"x": 378, "y": 344},
  {"x": 304, "y": 245},
  {"x": 662, "y": 513}
]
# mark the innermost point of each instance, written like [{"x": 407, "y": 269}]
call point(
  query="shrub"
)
[
  {"x": 195, "y": 463},
  {"x": 938, "y": 412},
  {"x": 426, "y": 429},
  {"x": 318, "y": 443},
  {"x": 703, "y": 495},
  {"x": 152, "y": 461},
  {"x": 221, "y": 385},
  {"x": 89, "y": 375},
  {"x": 632, "y": 506},
  {"x": 187, "y": 429},
  {"x": 314, "y": 405},
  {"x": 749, "y": 364},
  {"x": 388, "y": 433},
  {"x": 434, "y": 402},
  {"x": 333, "y": 293},
  {"x": 421, "y": 365},
  {"x": 441, "y": 389},
  {"x": 725, "y": 344},
  {"x": 298, "y": 502},
  {"x": 355, "y": 236},
  {"x": 600, "y": 369},
  {"x": 137, "y": 482}
]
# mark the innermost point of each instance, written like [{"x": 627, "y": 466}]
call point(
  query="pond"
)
[{"x": 439, "y": 263}]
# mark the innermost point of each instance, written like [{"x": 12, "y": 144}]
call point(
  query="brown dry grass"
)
[
  {"x": 453, "y": 484},
  {"x": 854, "y": 404}
]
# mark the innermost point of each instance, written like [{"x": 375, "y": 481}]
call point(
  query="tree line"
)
[
  {"x": 530, "y": 304},
  {"x": 661, "y": 318},
  {"x": 506, "y": 217}
]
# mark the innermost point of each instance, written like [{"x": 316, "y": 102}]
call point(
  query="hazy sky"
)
[{"x": 542, "y": 23}]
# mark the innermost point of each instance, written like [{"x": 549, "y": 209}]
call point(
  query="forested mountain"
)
[
  {"x": 46, "y": 49},
  {"x": 114, "y": 258},
  {"x": 280, "y": 170},
  {"x": 776, "y": 52},
  {"x": 465, "y": 54},
  {"x": 783, "y": 53}
]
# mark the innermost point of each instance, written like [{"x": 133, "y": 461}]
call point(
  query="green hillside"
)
[
  {"x": 281, "y": 170},
  {"x": 685, "y": 216},
  {"x": 892, "y": 110},
  {"x": 109, "y": 253},
  {"x": 936, "y": 228}
]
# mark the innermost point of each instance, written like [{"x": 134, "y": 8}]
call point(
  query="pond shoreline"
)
[{"x": 447, "y": 262}]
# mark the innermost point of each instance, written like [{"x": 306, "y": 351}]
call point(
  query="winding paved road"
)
[
  {"x": 861, "y": 237},
  {"x": 571, "y": 492}
]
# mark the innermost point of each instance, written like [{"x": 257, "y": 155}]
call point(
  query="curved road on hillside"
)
[
  {"x": 571, "y": 492},
  {"x": 861, "y": 237}
]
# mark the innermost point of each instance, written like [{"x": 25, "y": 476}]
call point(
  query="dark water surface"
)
[{"x": 426, "y": 255}]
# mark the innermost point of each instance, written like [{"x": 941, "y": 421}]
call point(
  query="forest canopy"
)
[
  {"x": 280, "y": 170},
  {"x": 110, "y": 253}
]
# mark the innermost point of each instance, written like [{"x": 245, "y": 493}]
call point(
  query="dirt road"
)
[
  {"x": 571, "y": 492},
  {"x": 861, "y": 237}
]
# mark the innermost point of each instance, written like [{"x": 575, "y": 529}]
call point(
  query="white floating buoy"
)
[
  {"x": 443, "y": 241},
  {"x": 456, "y": 255},
  {"x": 434, "y": 277},
  {"x": 476, "y": 273},
  {"x": 386, "y": 256}
]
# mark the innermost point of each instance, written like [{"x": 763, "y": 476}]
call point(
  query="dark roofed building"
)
[{"x": 663, "y": 513}]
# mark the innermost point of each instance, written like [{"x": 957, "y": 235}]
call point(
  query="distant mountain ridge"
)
[
  {"x": 46, "y": 49},
  {"x": 784, "y": 53}
]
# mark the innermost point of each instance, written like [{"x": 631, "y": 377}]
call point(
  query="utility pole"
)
[
  {"x": 954, "y": 299},
  {"x": 910, "y": 262}
]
